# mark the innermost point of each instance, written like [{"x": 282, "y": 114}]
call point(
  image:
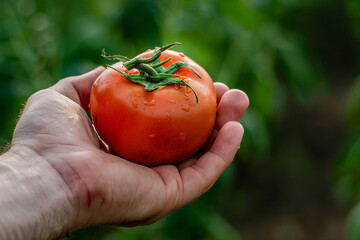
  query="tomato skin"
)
[{"x": 153, "y": 128}]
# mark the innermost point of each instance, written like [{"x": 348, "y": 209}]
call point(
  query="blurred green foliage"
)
[{"x": 296, "y": 175}]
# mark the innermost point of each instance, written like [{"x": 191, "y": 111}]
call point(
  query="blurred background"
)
[{"x": 296, "y": 175}]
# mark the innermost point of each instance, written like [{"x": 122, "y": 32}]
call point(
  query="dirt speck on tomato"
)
[{"x": 182, "y": 136}]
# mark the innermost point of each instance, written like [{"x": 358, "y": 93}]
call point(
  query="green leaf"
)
[{"x": 178, "y": 65}]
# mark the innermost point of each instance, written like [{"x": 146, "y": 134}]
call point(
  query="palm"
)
[{"x": 110, "y": 189}]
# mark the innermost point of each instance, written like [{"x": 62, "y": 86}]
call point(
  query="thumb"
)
[{"x": 78, "y": 88}]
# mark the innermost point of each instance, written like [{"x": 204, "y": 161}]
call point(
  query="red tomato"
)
[{"x": 163, "y": 126}]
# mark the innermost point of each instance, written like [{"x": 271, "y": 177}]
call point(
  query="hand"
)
[{"x": 104, "y": 188}]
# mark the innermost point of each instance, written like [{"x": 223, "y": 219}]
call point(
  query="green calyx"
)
[{"x": 152, "y": 74}]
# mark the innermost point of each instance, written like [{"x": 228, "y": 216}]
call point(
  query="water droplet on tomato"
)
[
  {"x": 138, "y": 94},
  {"x": 182, "y": 136},
  {"x": 134, "y": 102},
  {"x": 150, "y": 103},
  {"x": 71, "y": 118},
  {"x": 173, "y": 101},
  {"x": 188, "y": 90},
  {"x": 89, "y": 106},
  {"x": 185, "y": 107},
  {"x": 135, "y": 72},
  {"x": 186, "y": 96},
  {"x": 182, "y": 54},
  {"x": 186, "y": 80},
  {"x": 152, "y": 135}
]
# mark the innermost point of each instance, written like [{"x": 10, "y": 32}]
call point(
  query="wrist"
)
[{"x": 35, "y": 203}]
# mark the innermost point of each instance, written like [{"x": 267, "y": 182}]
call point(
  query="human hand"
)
[{"x": 103, "y": 188}]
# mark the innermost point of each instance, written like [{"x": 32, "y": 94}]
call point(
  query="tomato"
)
[{"x": 162, "y": 126}]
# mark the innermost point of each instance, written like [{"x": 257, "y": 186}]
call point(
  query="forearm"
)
[{"x": 34, "y": 201}]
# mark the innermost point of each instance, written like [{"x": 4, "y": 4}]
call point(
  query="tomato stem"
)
[{"x": 152, "y": 74}]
